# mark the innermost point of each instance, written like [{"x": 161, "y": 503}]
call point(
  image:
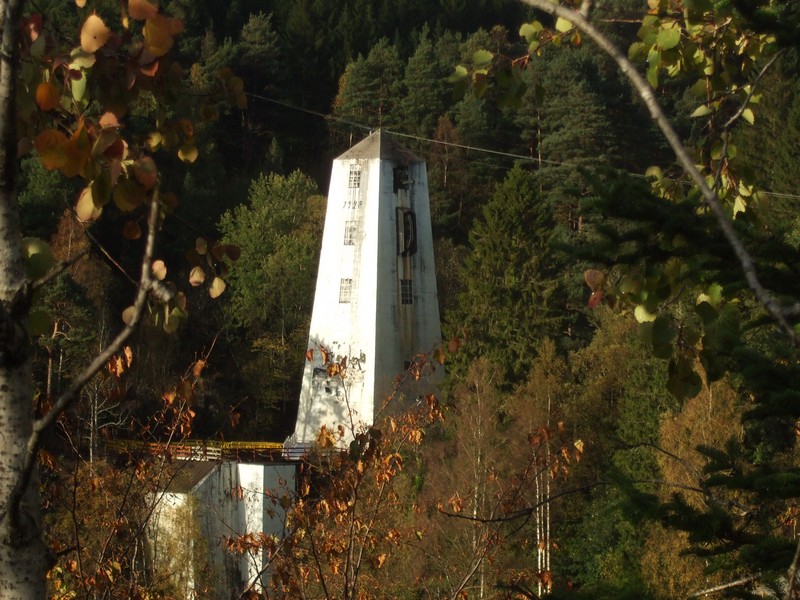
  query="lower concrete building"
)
[{"x": 205, "y": 505}]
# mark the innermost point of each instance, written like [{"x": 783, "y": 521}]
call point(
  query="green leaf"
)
[
  {"x": 563, "y": 25},
  {"x": 702, "y": 111},
  {"x": 706, "y": 312},
  {"x": 668, "y": 38},
  {"x": 713, "y": 295},
  {"x": 458, "y": 74},
  {"x": 78, "y": 87},
  {"x": 739, "y": 205},
  {"x": 637, "y": 52},
  {"x": 101, "y": 188},
  {"x": 530, "y": 30},
  {"x": 747, "y": 115},
  {"x": 643, "y": 315},
  {"x": 663, "y": 331},
  {"x": 652, "y": 77},
  {"x": 38, "y": 257},
  {"x": 654, "y": 172},
  {"x": 482, "y": 57}
]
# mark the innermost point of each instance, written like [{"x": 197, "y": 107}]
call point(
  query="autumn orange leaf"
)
[
  {"x": 131, "y": 231},
  {"x": 78, "y": 151},
  {"x": 128, "y": 351},
  {"x": 141, "y": 10},
  {"x": 94, "y": 34},
  {"x": 158, "y": 34},
  {"x": 49, "y": 144},
  {"x": 47, "y": 96},
  {"x": 109, "y": 119},
  {"x": 198, "y": 367}
]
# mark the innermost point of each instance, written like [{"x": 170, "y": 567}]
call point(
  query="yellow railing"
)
[{"x": 195, "y": 449}]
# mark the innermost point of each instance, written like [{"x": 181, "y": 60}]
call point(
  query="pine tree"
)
[
  {"x": 427, "y": 90},
  {"x": 506, "y": 307},
  {"x": 370, "y": 88}
]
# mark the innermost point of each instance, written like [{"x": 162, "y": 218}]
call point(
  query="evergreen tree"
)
[
  {"x": 506, "y": 307},
  {"x": 427, "y": 90},
  {"x": 370, "y": 89},
  {"x": 564, "y": 123},
  {"x": 278, "y": 232}
]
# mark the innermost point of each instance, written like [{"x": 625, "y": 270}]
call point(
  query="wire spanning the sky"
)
[{"x": 368, "y": 129}]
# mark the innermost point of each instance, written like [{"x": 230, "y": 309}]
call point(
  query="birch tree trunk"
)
[{"x": 23, "y": 556}]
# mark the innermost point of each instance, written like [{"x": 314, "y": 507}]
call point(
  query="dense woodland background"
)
[{"x": 679, "y": 459}]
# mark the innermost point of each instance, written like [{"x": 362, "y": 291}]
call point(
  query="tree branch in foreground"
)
[
  {"x": 147, "y": 284},
  {"x": 725, "y": 586},
  {"x": 764, "y": 296}
]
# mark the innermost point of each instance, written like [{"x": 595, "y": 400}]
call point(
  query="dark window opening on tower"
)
[
  {"x": 401, "y": 180},
  {"x": 354, "y": 181},
  {"x": 406, "y": 292},
  {"x": 345, "y": 287},
  {"x": 406, "y": 232},
  {"x": 350, "y": 233}
]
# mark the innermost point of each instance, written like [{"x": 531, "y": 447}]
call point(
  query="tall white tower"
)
[{"x": 375, "y": 306}]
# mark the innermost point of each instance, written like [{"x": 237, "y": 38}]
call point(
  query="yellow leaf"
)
[
  {"x": 94, "y": 34},
  {"x": 217, "y": 287},
  {"x": 739, "y": 205},
  {"x": 563, "y": 25},
  {"x": 159, "y": 270},
  {"x": 188, "y": 153},
  {"x": 643, "y": 315},
  {"x": 127, "y": 315},
  {"x": 747, "y": 115},
  {"x": 197, "y": 276},
  {"x": 80, "y": 3},
  {"x": 153, "y": 141},
  {"x": 85, "y": 209}
]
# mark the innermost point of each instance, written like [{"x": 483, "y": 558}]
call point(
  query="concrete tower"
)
[{"x": 375, "y": 304}]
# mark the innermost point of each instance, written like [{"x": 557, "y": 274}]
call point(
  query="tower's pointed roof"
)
[{"x": 379, "y": 145}]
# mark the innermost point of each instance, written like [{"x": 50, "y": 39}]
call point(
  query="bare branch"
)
[
  {"x": 725, "y": 586},
  {"x": 764, "y": 296},
  {"x": 791, "y": 587}
]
